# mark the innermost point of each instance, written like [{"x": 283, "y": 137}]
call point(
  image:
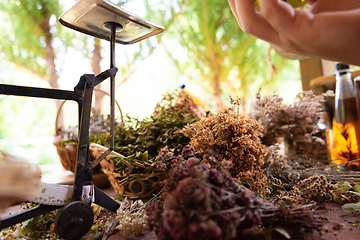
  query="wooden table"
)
[{"x": 338, "y": 225}]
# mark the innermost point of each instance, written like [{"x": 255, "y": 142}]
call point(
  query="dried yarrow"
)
[{"x": 234, "y": 137}]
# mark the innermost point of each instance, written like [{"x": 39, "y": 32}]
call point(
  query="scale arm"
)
[
  {"x": 104, "y": 75},
  {"x": 25, "y": 215}
]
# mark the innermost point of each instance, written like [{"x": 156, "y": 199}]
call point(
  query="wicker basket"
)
[
  {"x": 68, "y": 152},
  {"x": 143, "y": 186}
]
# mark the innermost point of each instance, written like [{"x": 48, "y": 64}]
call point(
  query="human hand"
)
[
  {"x": 329, "y": 30},
  {"x": 318, "y": 6}
]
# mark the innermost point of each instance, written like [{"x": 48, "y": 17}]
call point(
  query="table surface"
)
[{"x": 338, "y": 224}]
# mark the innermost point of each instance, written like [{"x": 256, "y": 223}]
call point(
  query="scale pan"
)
[{"x": 93, "y": 17}]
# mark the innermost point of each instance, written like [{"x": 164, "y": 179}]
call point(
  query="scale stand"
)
[{"x": 104, "y": 20}]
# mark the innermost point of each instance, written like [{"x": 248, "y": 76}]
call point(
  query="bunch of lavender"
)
[{"x": 201, "y": 202}]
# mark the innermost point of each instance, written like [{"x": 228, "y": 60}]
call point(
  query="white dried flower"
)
[{"x": 131, "y": 217}]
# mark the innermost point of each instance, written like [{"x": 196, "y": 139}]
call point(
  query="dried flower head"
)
[
  {"x": 201, "y": 202},
  {"x": 290, "y": 121},
  {"x": 297, "y": 123},
  {"x": 179, "y": 100},
  {"x": 233, "y": 137},
  {"x": 131, "y": 217},
  {"x": 315, "y": 188}
]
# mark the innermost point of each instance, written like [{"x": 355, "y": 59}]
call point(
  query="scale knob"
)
[{"x": 74, "y": 220}]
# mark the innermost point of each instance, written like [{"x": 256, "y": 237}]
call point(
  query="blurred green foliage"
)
[
  {"x": 202, "y": 38},
  {"x": 205, "y": 42}
]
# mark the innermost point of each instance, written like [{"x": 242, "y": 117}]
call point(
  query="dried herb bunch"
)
[
  {"x": 43, "y": 226},
  {"x": 201, "y": 202},
  {"x": 297, "y": 122},
  {"x": 131, "y": 217},
  {"x": 267, "y": 110},
  {"x": 179, "y": 100},
  {"x": 234, "y": 137},
  {"x": 39, "y": 227},
  {"x": 141, "y": 140},
  {"x": 313, "y": 189},
  {"x": 288, "y": 168}
]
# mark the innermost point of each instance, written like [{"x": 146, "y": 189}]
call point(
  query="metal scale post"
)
[{"x": 104, "y": 20}]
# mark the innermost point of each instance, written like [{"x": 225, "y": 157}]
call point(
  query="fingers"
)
[
  {"x": 289, "y": 23},
  {"x": 275, "y": 7},
  {"x": 311, "y": 2},
  {"x": 233, "y": 9},
  {"x": 303, "y": 32},
  {"x": 251, "y": 21},
  {"x": 277, "y": 23},
  {"x": 279, "y": 14}
]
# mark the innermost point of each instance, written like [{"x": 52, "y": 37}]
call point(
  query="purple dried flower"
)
[
  {"x": 164, "y": 158},
  {"x": 206, "y": 204},
  {"x": 188, "y": 151}
]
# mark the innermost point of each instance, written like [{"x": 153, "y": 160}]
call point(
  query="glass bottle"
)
[
  {"x": 321, "y": 151},
  {"x": 346, "y": 126},
  {"x": 357, "y": 92}
]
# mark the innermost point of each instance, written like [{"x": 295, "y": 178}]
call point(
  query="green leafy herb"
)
[{"x": 141, "y": 140}]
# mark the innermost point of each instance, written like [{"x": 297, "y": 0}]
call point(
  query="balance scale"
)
[{"x": 104, "y": 20}]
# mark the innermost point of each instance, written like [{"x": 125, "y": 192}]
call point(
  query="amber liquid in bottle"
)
[{"x": 346, "y": 133}]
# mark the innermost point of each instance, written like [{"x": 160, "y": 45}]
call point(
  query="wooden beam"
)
[{"x": 310, "y": 68}]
